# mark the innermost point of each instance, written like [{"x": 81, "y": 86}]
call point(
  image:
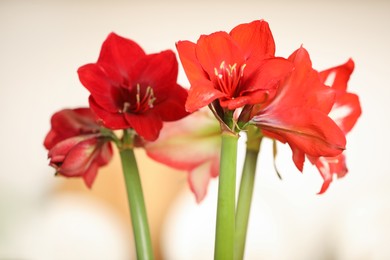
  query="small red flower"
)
[
  {"x": 130, "y": 89},
  {"x": 345, "y": 112},
  {"x": 237, "y": 68},
  {"x": 298, "y": 113},
  {"x": 76, "y": 146}
]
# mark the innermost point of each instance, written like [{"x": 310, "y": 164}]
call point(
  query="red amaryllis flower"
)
[
  {"x": 130, "y": 89},
  {"x": 237, "y": 68},
  {"x": 345, "y": 112},
  {"x": 76, "y": 146},
  {"x": 298, "y": 113},
  {"x": 192, "y": 144}
]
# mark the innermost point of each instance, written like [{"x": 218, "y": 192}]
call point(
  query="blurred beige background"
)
[{"x": 42, "y": 43}]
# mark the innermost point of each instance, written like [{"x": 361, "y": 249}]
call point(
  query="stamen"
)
[
  {"x": 242, "y": 69},
  {"x": 147, "y": 100},
  {"x": 137, "y": 96},
  {"x": 152, "y": 98},
  {"x": 126, "y": 106},
  {"x": 229, "y": 77},
  {"x": 222, "y": 65}
]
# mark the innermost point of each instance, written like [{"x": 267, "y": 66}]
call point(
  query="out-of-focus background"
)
[{"x": 42, "y": 43}]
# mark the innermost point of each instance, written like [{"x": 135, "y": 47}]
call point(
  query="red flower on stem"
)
[
  {"x": 76, "y": 146},
  {"x": 130, "y": 89},
  {"x": 237, "y": 68},
  {"x": 298, "y": 113},
  {"x": 345, "y": 112}
]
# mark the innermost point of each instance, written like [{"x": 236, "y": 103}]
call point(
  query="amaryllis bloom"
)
[
  {"x": 192, "y": 144},
  {"x": 345, "y": 112},
  {"x": 130, "y": 89},
  {"x": 77, "y": 148},
  {"x": 236, "y": 68},
  {"x": 298, "y": 113}
]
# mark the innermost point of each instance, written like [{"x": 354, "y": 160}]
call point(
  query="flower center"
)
[
  {"x": 143, "y": 101},
  {"x": 229, "y": 77}
]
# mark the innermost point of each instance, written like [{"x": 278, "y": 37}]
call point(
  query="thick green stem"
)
[
  {"x": 137, "y": 205},
  {"x": 245, "y": 194},
  {"x": 224, "y": 237}
]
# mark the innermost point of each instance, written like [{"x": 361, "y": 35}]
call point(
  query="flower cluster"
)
[
  {"x": 236, "y": 75},
  {"x": 129, "y": 90},
  {"x": 247, "y": 89}
]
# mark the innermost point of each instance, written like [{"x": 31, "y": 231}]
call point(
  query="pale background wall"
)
[{"x": 42, "y": 43}]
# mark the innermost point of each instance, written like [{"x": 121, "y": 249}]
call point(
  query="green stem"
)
[
  {"x": 224, "y": 237},
  {"x": 245, "y": 193},
  {"x": 136, "y": 203}
]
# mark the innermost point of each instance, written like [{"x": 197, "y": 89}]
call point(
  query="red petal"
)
[
  {"x": 212, "y": 50},
  {"x": 266, "y": 75},
  {"x": 61, "y": 149},
  {"x": 238, "y": 102},
  {"x": 109, "y": 120},
  {"x": 157, "y": 70},
  {"x": 191, "y": 65},
  {"x": 308, "y": 130},
  {"x": 201, "y": 94},
  {"x": 303, "y": 87},
  {"x": 147, "y": 125},
  {"x": 255, "y": 39},
  {"x": 346, "y": 111},
  {"x": 338, "y": 77},
  {"x": 105, "y": 90},
  {"x": 79, "y": 158},
  {"x": 105, "y": 154},
  {"x": 90, "y": 174},
  {"x": 121, "y": 53},
  {"x": 173, "y": 107},
  {"x": 298, "y": 158},
  {"x": 51, "y": 139},
  {"x": 328, "y": 166},
  {"x": 67, "y": 123}
]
